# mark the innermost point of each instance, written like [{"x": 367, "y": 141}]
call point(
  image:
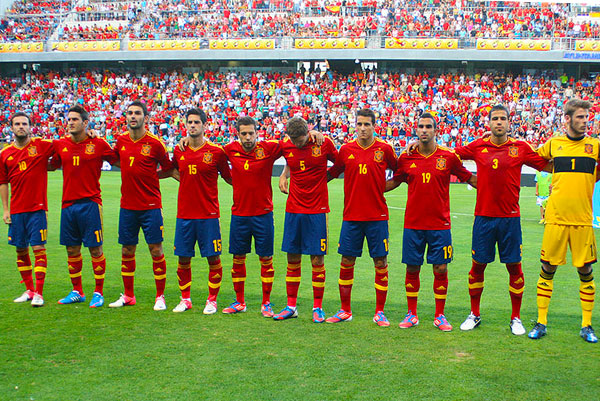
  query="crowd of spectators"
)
[{"x": 327, "y": 100}]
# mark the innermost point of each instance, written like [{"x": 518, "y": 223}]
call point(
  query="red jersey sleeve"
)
[
  {"x": 466, "y": 152},
  {"x": 223, "y": 166},
  {"x": 459, "y": 170},
  {"x": 339, "y": 164},
  {"x": 400, "y": 173},
  {"x": 532, "y": 158}
]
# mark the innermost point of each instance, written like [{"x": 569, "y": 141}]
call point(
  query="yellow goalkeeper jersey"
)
[{"x": 573, "y": 179}]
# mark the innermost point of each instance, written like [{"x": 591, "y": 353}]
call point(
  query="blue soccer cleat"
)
[
  {"x": 286, "y": 313},
  {"x": 267, "y": 310},
  {"x": 97, "y": 300},
  {"x": 318, "y": 315},
  {"x": 587, "y": 333},
  {"x": 538, "y": 331},
  {"x": 74, "y": 297},
  {"x": 409, "y": 321}
]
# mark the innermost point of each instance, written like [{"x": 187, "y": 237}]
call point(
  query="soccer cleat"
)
[
  {"x": 318, "y": 315},
  {"x": 159, "y": 304},
  {"x": 380, "y": 319},
  {"x": 235, "y": 307},
  {"x": 538, "y": 331},
  {"x": 442, "y": 323},
  {"x": 267, "y": 310},
  {"x": 74, "y": 297},
  {"x": 210, "y": 308},
  {"x": 97, "y": 300},
  {"x": 37, "y": 300},
  {"x": 471, "y": 322},
  {"x": 123, "y": 300},
  {"x": 409, "y": 321},
  {"x": 587, "y": 333},
  {"x": 184, "y": 305},
  {"x": 25, "y": 297},
  {"x": 340, "y": 316},
  {"x": 516, "y": 327},
  {"x": 286, "y": 313}
]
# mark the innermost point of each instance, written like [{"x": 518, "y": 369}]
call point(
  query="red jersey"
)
[
  {"x": 81, "y": 166},
  {"x": 364, "y": 179},
  {"x": 26, "y": 170},
  {"x": 140, "y": 189},
  {"x": 251, "y": 175},
  {"x": 428, "y": 178},
  {"x": 499, "y": 174},
  {"x": 199, "y": 171},
  {"x": 308, "y": 172}
]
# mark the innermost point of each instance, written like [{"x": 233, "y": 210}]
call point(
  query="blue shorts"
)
[
  {"x": 28, "y": 228},
  {"x": 81, "y": 222},
  {"x": 243, "y": 228},
  {"x": 354, "y": 232},
  {"x": 439, "y": 247},
  {"x": 130, "y": 221},
  {"x": 305, "y": 234},
  {"x": 206, "y": 232},
  {"x": 506, "y": 231}
]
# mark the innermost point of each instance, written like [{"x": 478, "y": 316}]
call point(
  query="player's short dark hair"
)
[
  {"x": 500, "y": 107},
  {"x": 296, "y": 127},
  {"x": 245, "y": 121},
  {"x": 197, "y": 112},
  {"x": 142, "y": 105},
  {"x": 19, "y": 114},
  {"x": 431, "y": 117},
  {"x": 572, "y": 105},
  {"x": 367, "y": 113},
  {"x": 81, "y": 111}
]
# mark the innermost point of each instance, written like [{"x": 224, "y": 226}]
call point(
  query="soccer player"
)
[
  {"x": 252, "y": 211},
  {"x": 542, "y": 192},
  {"x": 305, "y": 228},
  {"x": 81, "y": 216},
  {"x": 364, "y": 162},
  {"x": 24, "y": 166},
  {"x": 427, "y": 218},
  {"x": 198, "y": 215},
  {"x": 569, "y": 215},
  {"x": 140, "y": 153},
  {"x": 499, "y": 160}
]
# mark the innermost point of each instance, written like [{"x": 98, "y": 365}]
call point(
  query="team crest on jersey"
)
[
  {"x": 146, "y": 150},
  {"x": 378, "y": 156},
  {"x": 440, "y": 163},
  {"x": 32, "y": 151},
  {"x": 316, "y": 151},
  {"x": 208, "y": 157},
  {"x": 259, "y": 153},
  {"x": 513, "y": 151},
  {"x": 90, "y": 149},
  {"x": 589, "y": 148}
]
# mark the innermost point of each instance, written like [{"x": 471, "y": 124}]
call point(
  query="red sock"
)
[
  {"x": 25, "y": 269},
  {"x": 238, "y": 276},
  {"x": 345, "y": 282},
  {"x": 159, "y": 267},
  {"x": 476, "y": 286},
  {"x": 41, "y": 264},
  {"x": 267, "y": 274},
  {"x": 215, "y": 275},
  {"x": 381, "y": 288},
  {"x": 292, "y": 282},
  {"x": 515, "y": 287},
  {"x": 318, "y": 283},
  {"x": 440, "y": 291},
  {"x": 75, "y": 265},
  {"x": 184, "y": 276},
  {"x": 412, "y": 283},
  {"x": 128, "y": 274},
  {"x": 99, "y": 266}
]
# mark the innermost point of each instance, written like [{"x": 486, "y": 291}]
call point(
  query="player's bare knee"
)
[
  {"x": 440, "y": 269},
  {"x": 585, "y": 269},
  {"x": 380, "y": 262},
  {"x": 184, "y": 262},
  {"x": 413, "y": 268},
  {"x": 156, "y": 250},
  {"x": 36, "y": 248},
  {"x": 96, "y": 251},
  {"x": 317, "y": 259},
  {"x": 261, "y": 258},
  {"x": 74, "y": 250},
  {"x": 548, "y": 268},
  {"x": 294, "y": 258},
  {"x": 128, "y": 250},
  {"x": 348, "y": 260},
  {"x": 212, "y": 259}
]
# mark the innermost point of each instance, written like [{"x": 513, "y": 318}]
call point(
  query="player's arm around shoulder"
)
[
  {"x": 339, "y": 165},
  {"x": 283, "y": 179},
  {"x": 223, "y": 165},
  {"x": 399, "y": 174}
]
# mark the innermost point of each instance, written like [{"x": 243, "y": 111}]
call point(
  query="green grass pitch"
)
[{"x": 72, "y": 352}]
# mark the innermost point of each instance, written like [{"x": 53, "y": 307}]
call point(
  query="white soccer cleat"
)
[
  {"x": 25, "y": 297},
  {"x": 37, "y": 300},
  {"x": 516, "y": 327},
  {"x": 210, "y": 308},
  {"x": 160, "y": 303},
  {"x": 184, "y": 305},
  {"x": 123, "y": 300},
  {"x": 471, "y": 322}
]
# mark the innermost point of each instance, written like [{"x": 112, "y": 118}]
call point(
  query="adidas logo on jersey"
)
[
  {"x": 559, "y": 148},
  {"x": 484, "y": 150},
  {"x": 10, "y": 158},
  {"x": 290, "y": 154},
  {"x": 65, "y": 150},
  {"x": 413, "y": 165},
  {"x": 122, "y": 147},
  {"x": 350, "y": 157},
  {"x": 237, "y": 154},
  {"x": 182, "y": 158}
]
